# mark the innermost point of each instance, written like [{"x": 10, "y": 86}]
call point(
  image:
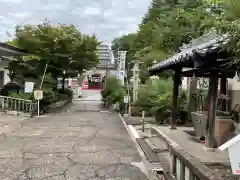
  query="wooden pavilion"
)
[{"x": 203, "y": 57}]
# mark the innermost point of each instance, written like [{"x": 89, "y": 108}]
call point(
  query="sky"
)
[{"x": 105, "y": 18}]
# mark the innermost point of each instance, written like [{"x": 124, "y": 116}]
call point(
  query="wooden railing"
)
[
  {"x": 16, "y": 104},
  {"x": 184, "y": 166},
  {"x": 196, "y": 170}
]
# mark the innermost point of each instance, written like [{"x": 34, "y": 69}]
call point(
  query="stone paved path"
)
[{"x": 70, "y": 146}]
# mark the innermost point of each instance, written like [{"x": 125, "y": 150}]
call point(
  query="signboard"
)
[
  {"x": 121, "y": 65},
  {"x": 126, "y": 99},
  {"x": 233, "y": 147},
  {"x": 38, "y": 94},
  {"x": 235, "y": 158},
  {"x": 28, "y": 87},
  {"x": 121, "y": 76}
]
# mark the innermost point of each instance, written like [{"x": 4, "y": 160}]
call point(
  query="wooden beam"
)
[
  {"x": 212, "y": 95},
  {"x": 208, "y": 69},
  {"x": 176, "y": 83},
  {"x": 206, "y": 73}
]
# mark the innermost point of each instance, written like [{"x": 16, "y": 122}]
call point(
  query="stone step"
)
[
  {"x": 151, "y": 156},
  {"x": 159, "y": 147}
]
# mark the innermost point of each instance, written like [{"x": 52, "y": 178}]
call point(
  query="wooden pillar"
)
[
  {"x": 212, "y": 95},
  {"x": 223, "y": 91},
  {"x": 176, "y": 83},
  {"x": 192, "y": 87}
]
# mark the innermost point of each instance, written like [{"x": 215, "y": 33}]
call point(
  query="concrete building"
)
[
  {"x": 5, "y": 52},
  {"x": 4, "y": 78},
  {"x": 106, "y": 61},
  {"x": 105, "y": 55}
]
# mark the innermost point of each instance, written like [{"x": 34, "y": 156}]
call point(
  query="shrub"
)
[
  {"x": 162, "y": 107},
  {"x": 162, "y": 103},
  {"x": 149, "y": 93},
  {"x": 113, "y": 91},
  {"x": 22, "y": 95},
  {"x": 66, "y": 94}
]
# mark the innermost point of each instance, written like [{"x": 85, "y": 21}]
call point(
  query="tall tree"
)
[
  {"x": 169, "y": 24},
  {"x": 63, "y": 47}
]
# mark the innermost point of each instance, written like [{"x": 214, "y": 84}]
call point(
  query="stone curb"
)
[
  {"x": 56, "y": 106},
  {"x": 134, "y": 135},
  {"x": 16, "y": 113}
]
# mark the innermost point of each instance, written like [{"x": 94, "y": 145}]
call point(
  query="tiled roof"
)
[
  {"x": 7, "y": 50},
  {"x": 206, "y": 45}
]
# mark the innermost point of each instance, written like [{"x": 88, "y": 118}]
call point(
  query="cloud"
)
[
  {"x": 92, "y": 11},
  {"x": 105, "y": 18},
  {"x": 21, "y": 14},
  {"x": 11, "y": 1}
]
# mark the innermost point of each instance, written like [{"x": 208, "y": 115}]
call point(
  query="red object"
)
[
  {"x": 83, "y": 85},
  {"x": 94, "y": 88},
  {"x": 238, "y": 171}
]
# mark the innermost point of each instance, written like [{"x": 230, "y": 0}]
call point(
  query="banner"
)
[{"x": 121, "y": 65}]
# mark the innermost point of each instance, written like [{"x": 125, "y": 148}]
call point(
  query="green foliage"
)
[
  {"x": 164, "y": 29},
  {"x": 21, "y": 95},
  {"x": 169, "y": 24},
  {"x": 113, "y": 91},
  {"x": 199, "y": 99},
  {"x": 62, "y": 47},
  {"x": 172, "y": 23},
  {"x": 183, "y": 105},
  {"x": 228, "y": 23},
  {"x": 150, "y": 93},
  {"x": 51, "y": 97},
  {"x": 162, "y": 104}
]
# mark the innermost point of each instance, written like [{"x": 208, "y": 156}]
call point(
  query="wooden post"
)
[
  {"x": 143, "y": 121},
  {"x": 223, "y": 91},
  {"x": 212, "y": 95},
  {"x": 191, "y": 104},
  {"x": 182, "y": 171},
  {"x": 191, "y": 176},
  {"x": 176, "y": 83},
  {"x": 174, "y": 165}
]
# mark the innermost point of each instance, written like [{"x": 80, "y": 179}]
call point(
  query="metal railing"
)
[{"x": 16, "y": 104}]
